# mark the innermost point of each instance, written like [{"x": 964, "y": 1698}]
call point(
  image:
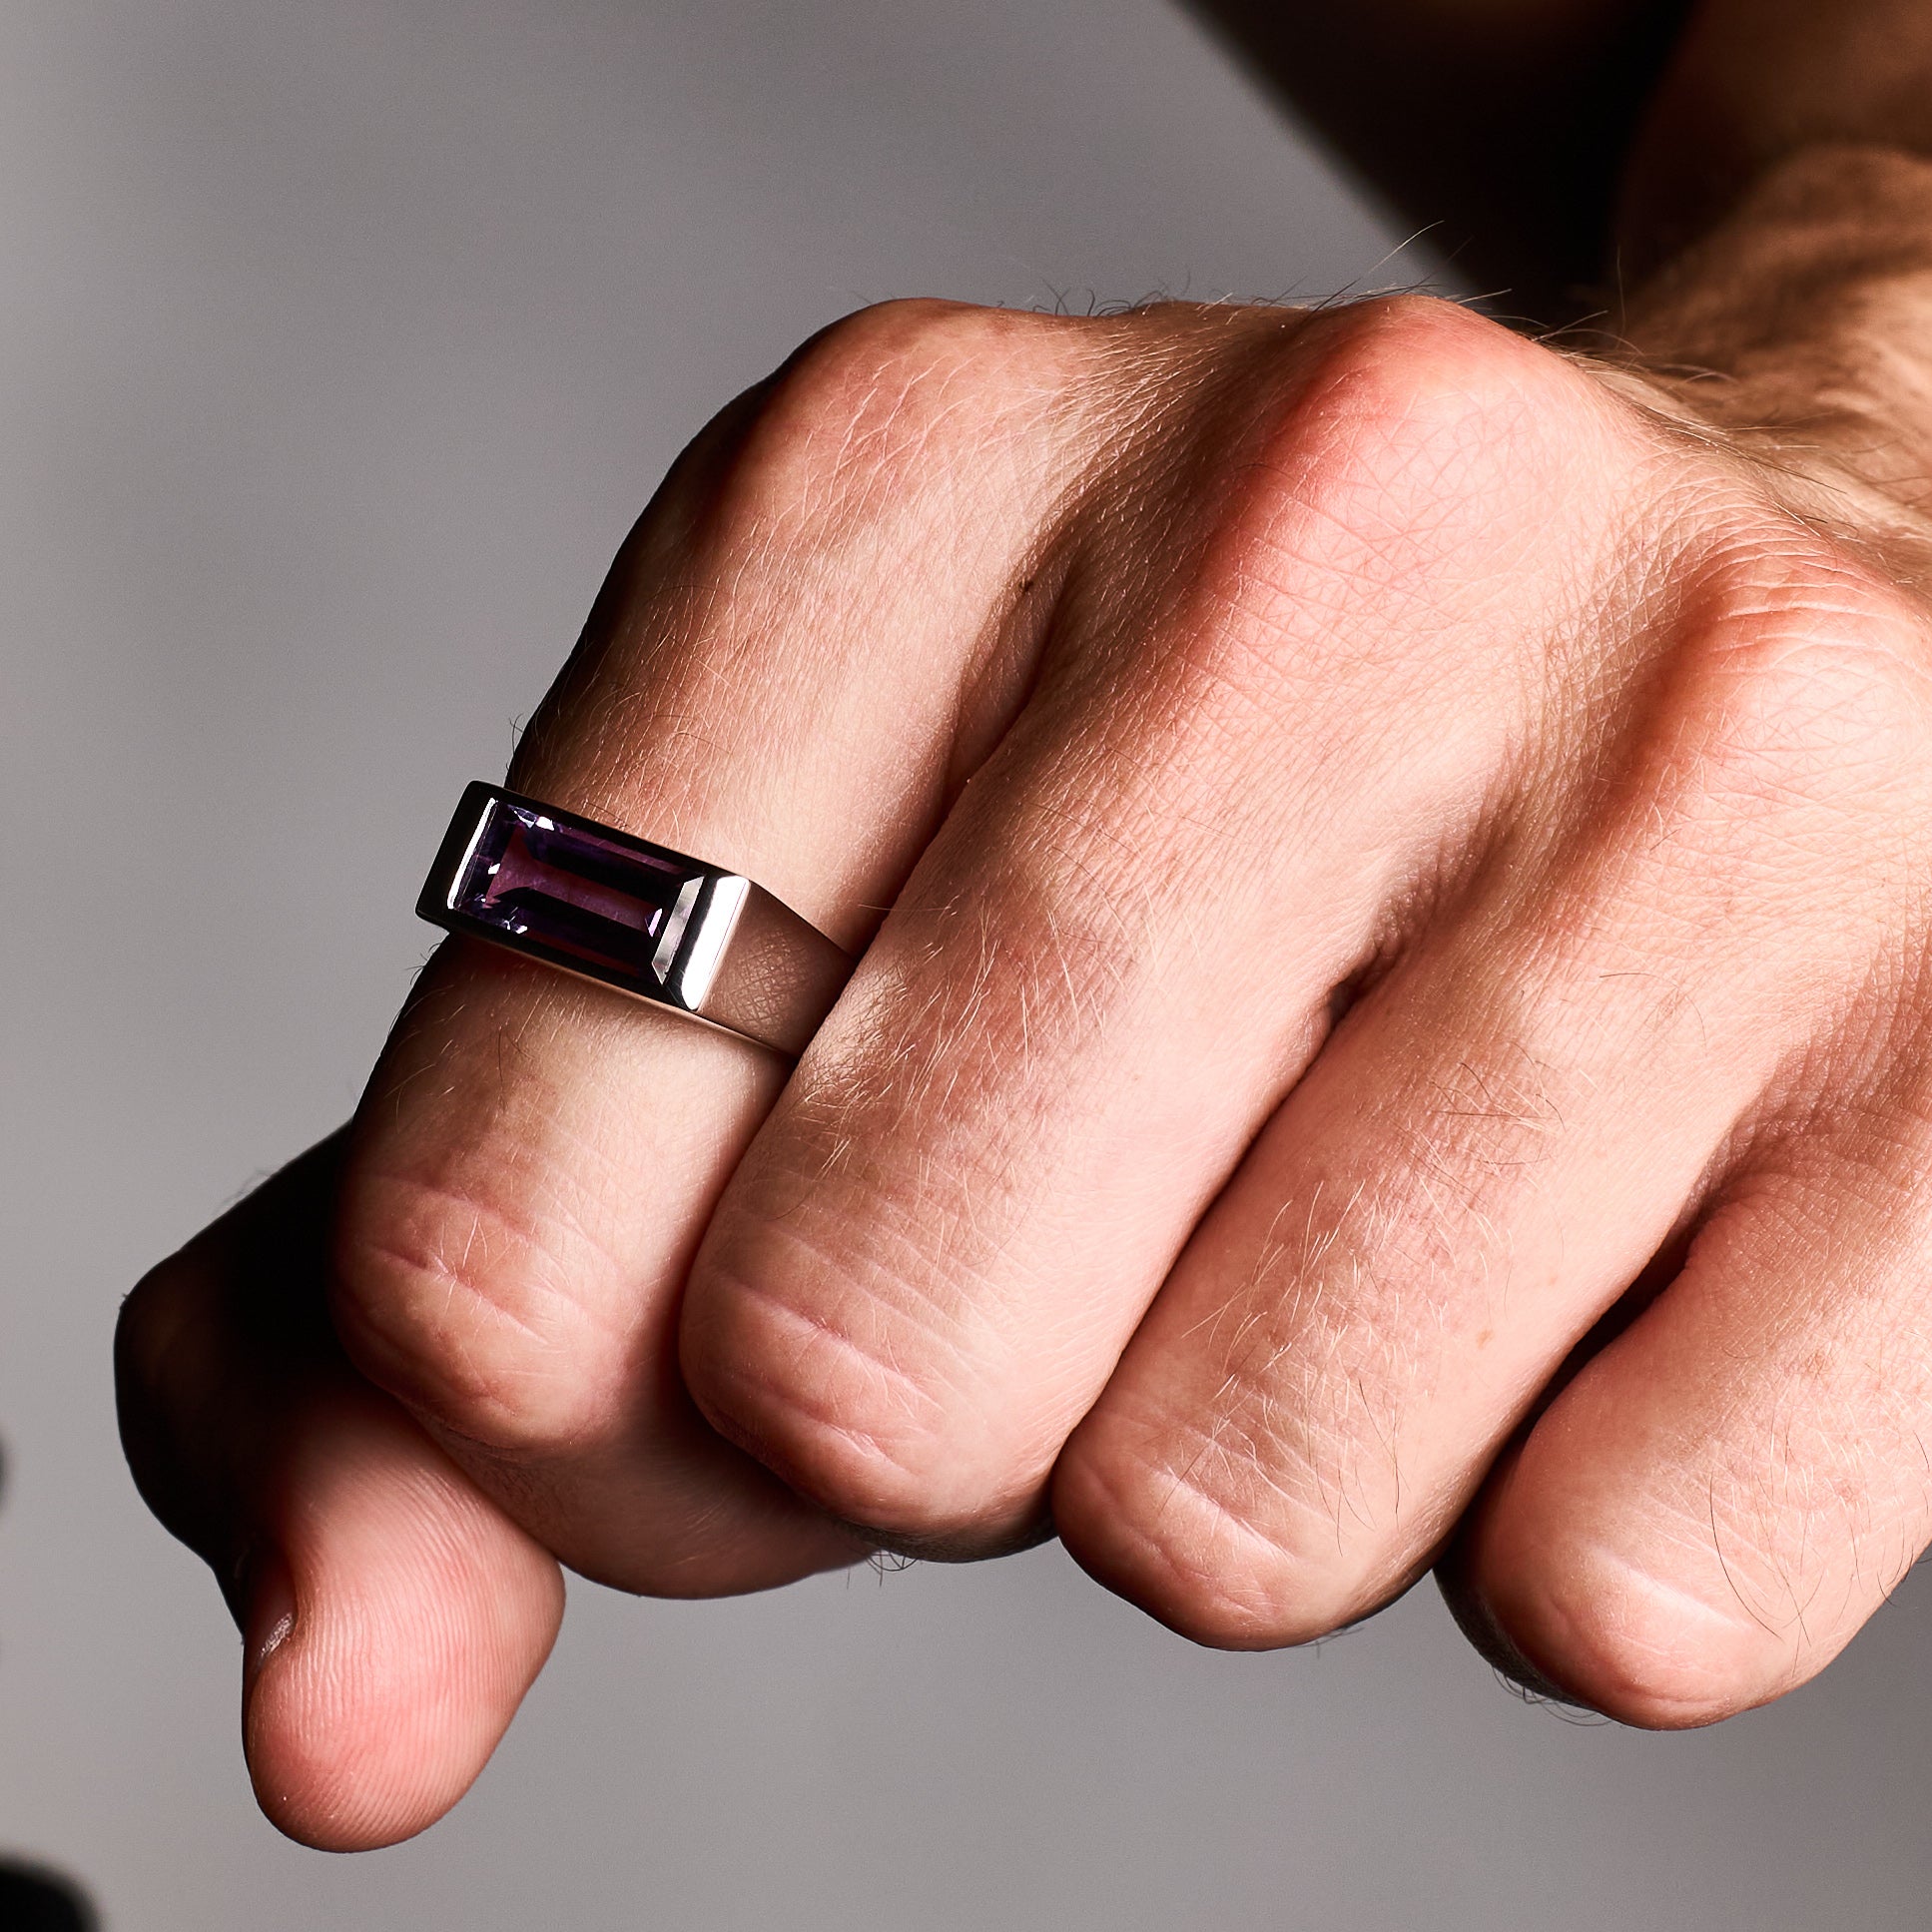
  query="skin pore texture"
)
[{"x": 1390, "y": 858}]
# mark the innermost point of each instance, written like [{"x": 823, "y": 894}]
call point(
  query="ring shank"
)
[{"x": 776, "y": 978}]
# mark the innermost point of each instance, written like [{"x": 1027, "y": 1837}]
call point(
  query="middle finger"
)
[{"x": 1119, "y": 953}]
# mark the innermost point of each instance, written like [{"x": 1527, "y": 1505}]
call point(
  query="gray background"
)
[{"x": 338, "y": 345}]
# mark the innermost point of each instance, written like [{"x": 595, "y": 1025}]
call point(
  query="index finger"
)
[{"x": 824, "y": 611}]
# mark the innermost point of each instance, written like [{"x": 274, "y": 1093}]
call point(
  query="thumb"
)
[{"x": 392, "y": 1616}]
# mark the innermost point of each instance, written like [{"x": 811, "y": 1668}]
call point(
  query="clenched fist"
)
[{"x": 1392, "y": 872}]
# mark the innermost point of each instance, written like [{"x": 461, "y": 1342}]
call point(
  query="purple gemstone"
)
[{"x": 618, "y": 911}]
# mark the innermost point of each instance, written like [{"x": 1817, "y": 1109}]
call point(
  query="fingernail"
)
[{"x": 267, "y": 1594}]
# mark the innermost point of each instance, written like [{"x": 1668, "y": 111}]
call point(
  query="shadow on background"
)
[
  {"x": 1499, "y": 131},
  {"x": 34, "y": 1899}
]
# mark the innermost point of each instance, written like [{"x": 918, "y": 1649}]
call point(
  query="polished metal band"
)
[{"x": 637, "y": 917}]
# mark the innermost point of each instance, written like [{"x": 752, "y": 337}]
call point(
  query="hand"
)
[{"x": 1392, "y": 866}]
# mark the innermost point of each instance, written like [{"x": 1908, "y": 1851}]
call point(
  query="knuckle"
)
[
  {"x": 1197, "y": 1533},
  {"x": 1800, "y": 722},
  {"x": 166, "y": 1382},
  {"x": 153, "y": 1330},
  {"x": 1413, "y": 390},
  {"x": 829, "y": 1378},
  {"x": 911, "y": 336},
  {"x": 182, "y": 1347},
  {"x": 1809, "y": 675},
  {"x": 180, "y": 1405},
  {"x": 1404, "y": 486},
  {"x": 894, "y": 395},
  {"x": 1405, "y": 345},
  {"x": 1636, "y": 1646},
  {"x": 467, "y": 1313}
]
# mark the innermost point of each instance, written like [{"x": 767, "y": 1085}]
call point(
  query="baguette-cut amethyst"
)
[{"x": 618, "y": 910}]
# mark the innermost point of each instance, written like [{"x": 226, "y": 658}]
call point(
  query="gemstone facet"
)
[
  {"x": 647, "y": 920},
  {"x": 615, "y": 907}
]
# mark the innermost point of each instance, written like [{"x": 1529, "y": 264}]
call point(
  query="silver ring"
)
[{"x": 649, "y": 921}]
